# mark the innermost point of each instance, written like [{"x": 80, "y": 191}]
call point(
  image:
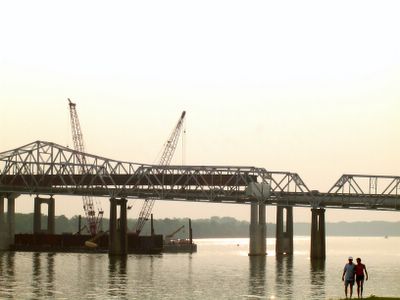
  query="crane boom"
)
[
  {"x": 77, "y": 135},
  {"x": 166, "y": 157},
  {"x": 170, "y": 145},
  {"x": 93, "y": 221},
  {"x": 171, "y": 235}
]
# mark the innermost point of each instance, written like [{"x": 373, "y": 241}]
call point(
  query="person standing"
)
[
  {"x": 348, "y": 276},
  {"x": 360, "y": 270}
]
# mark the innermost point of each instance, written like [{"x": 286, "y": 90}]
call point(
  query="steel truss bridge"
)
[{"x": 50, "y": 169}]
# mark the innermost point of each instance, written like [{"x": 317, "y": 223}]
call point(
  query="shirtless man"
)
[
  {"x": 360, "y": 270},
  {"x": 350, "y": 271}
]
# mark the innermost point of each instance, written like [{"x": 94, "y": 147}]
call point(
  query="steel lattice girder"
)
[
  {"x": 352, "y": 184},
  {"x": 48, "y": 168}
]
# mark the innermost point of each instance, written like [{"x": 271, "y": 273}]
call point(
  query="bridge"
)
[{"x": 44, "y": 168}]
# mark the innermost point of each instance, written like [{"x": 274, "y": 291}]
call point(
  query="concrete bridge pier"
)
[
  {"x": 7, "y": 222},
  {"x": 284, "y": 230},
  {"x": 258, "y": 230},
  {"x": 37, "y": 215},
  {"x": 118, "y": 238},
  {"x": 318, "y": 234}
]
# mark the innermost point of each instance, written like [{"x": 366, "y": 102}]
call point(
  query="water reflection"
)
[
  {"x": 257, "y": 276},
  {"x": 36, "y": 275},
  {"x": 317, "y": 270},
  {"x": 284, "y": 276},
  {"x": 117, "y": 277},
  {"x": 190, "y": 269},
  {"x": 90, "y": 270},
  {"x": 42, "y": 289},
  {"x": 50, "y": 274},
  {"x": 7, "y": 272}
]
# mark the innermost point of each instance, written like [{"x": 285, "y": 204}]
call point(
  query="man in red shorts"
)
[{"x": 360, "y": 269}]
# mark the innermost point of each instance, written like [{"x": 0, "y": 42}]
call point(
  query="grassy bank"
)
[{"x": 376, "y": 298}]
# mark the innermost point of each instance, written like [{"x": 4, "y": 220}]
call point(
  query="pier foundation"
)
[
  {"x": 318, "y": 234},
  {"x": 37, "y": 215},
  {"x": 258, "y": 230},
  {"x": 284, "y": 230},
  {"x": 7, "y": 222},
  {"x": 118, "y": 243}
]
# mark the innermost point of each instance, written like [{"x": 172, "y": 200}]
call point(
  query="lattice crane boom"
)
[
  {"x": 93, "y": 220},
  {"x": 77, "y": 135},
  {"x": 166, "y": 157},
  {"x": 171, "y": 235},
  {"x": 170, "y": 145}
]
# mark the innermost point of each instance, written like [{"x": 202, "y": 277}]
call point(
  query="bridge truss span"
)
[
  {"x": 48, "y": 168},
  {"x": 367, "y": 185},
  {"x": 367, "y": 191}
]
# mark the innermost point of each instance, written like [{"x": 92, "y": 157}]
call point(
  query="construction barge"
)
[
  {"x": 180, "y": 246},
  {"x": 85, "y": 243},
  {"x": 100, "y": 243},
  {"x": 172, "y": 245}
]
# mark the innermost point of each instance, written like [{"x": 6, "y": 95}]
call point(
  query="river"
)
[{"x": 220, "y": 269}]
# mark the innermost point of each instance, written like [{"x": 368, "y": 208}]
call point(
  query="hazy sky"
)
[{"x": 305, "y": 86}]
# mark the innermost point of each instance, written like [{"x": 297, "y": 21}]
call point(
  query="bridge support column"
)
[
  {"x": 118, "y": 243},
  {"x": 7, "y": 222},
  {"x": 284, "y": 230},
  {"x": 318, "y": 233},
  {"x": 258, "y": 230},
  {"x": 37, "y": 215},
  {"x": 11, "y": 219},
  {"x": 3, "y": 227}
]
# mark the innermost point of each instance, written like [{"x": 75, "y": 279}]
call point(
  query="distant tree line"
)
[{"x": 217, "y": 227}]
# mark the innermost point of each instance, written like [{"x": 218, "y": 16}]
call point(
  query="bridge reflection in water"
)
[
  {"x": 117, "y": 277},
  {"x": 257, "y": 276},
  {"x": 317, "y": 271},
  {"x": 284, "y": 275}
]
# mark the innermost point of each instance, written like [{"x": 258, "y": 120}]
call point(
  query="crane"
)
[
  {"x": 93, "y": 220},
  {"x": 166, "y": 157},
  {"x": 171, "y": 235}
]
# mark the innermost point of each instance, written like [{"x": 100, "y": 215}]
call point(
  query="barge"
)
[
  {"x": 172, "y": 245},
  {"x": 180, "y": 246}
]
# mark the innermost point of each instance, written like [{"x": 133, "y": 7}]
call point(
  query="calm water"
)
[{"x": 220, "y": 270}]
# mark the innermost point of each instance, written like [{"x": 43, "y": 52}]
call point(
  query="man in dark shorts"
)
[
  {"x": 349, "y": 272},
  {"x": 360, "y": 270}
]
